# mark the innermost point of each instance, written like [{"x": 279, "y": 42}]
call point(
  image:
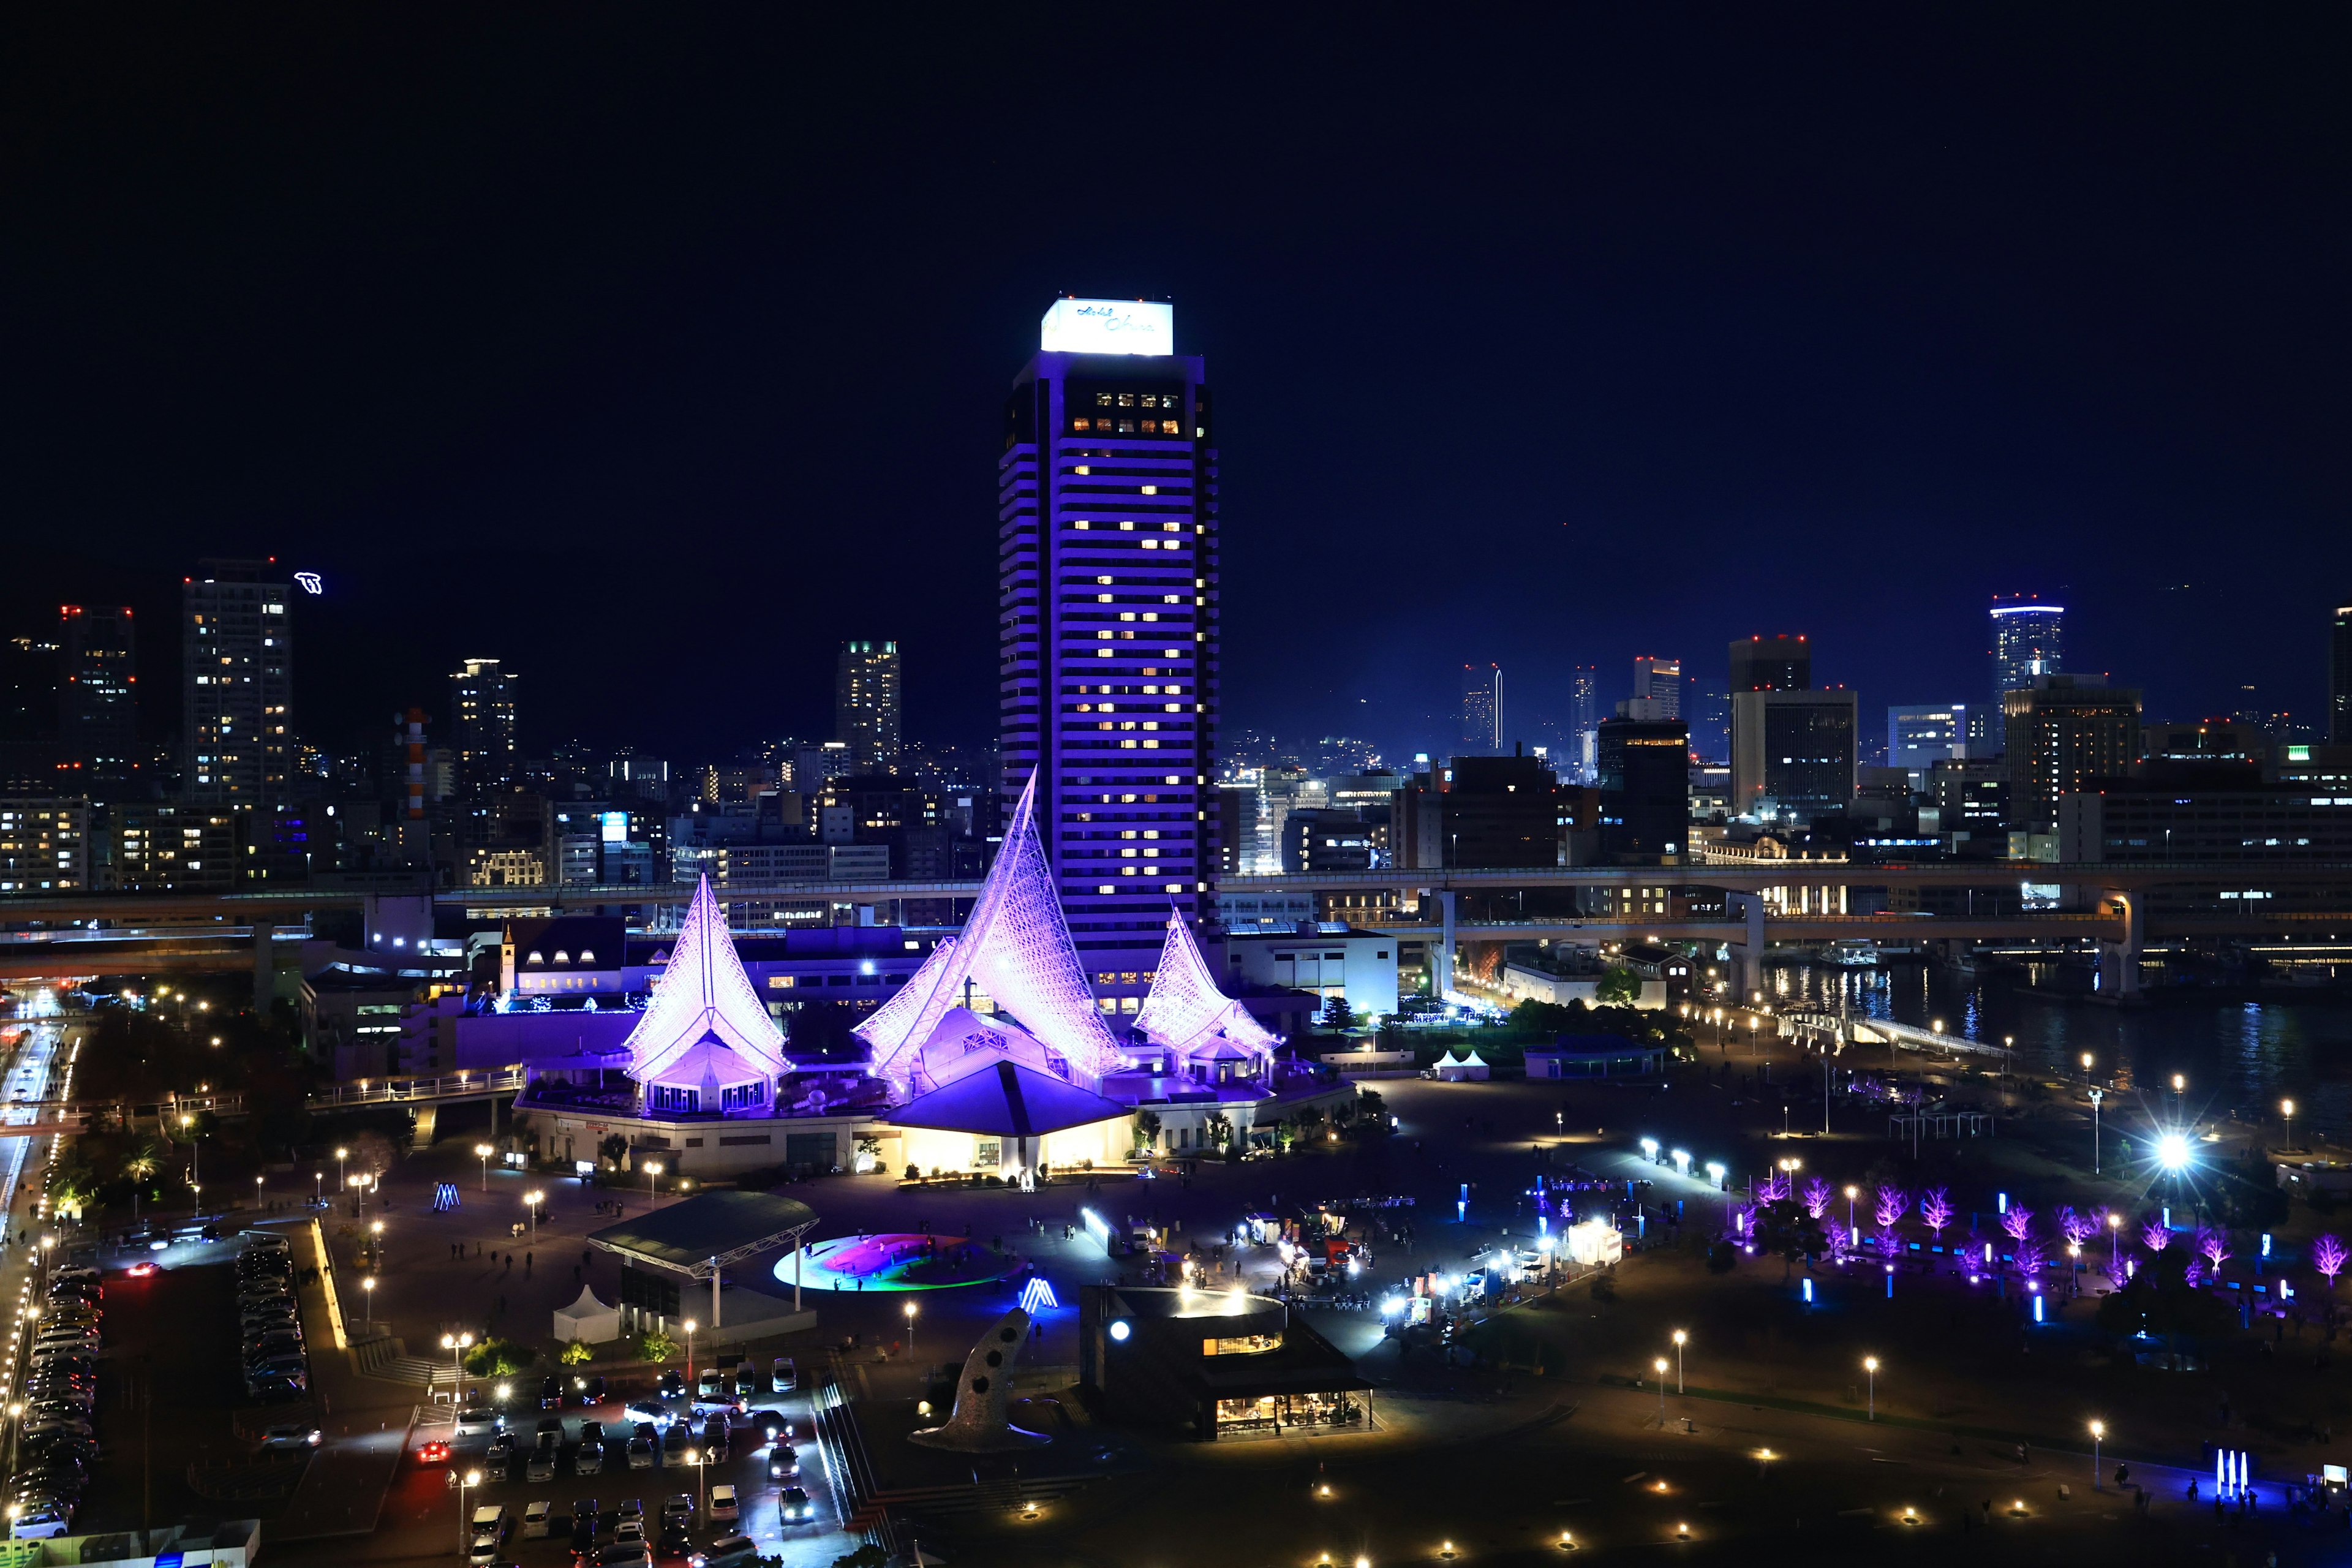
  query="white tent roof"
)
[
  {"x": 703, "y": 993},
  {"x": 1185, "y": 1008}
]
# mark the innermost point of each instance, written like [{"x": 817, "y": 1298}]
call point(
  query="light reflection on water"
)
[{"x": 2233, "y": 1053}]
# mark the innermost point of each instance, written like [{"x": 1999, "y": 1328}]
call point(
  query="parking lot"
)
[{"x": 625, "y": 1484}]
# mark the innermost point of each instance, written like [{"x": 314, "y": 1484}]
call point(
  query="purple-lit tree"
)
[
  {"x": 1890, "y": 1241},
  {"x": 2327, "y": 1256},
  {"x": 2031, "y": 1255},
  {"x": 2155, "y": 1236},
  {"x": 1818, "y": 1193},
  {"x": 1935, "y": 1208},
  {"x": 2077, "y": 1228},
  {"x": 2213, "y": 1242},
  {"x": 1892, "y": 1204},
  {"x": 2194, "y": 1275},
  {"x": 1775, "y": 1188},
  {"x": 1743, "y": 1222},
  {"x": 2017, "y": 1222}
]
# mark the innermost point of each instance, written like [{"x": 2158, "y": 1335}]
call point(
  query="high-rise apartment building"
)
[
  {"x": 2065, "y": 732},
  {"x": 1645, "y": 788},
  {"x": 1482, "y": 709},
  {"x": 1106, "y": 560},
  {"x": 866, "y": 704},
  {"x": 1660, "y": 682},
  {"x": 2339, "y": 678},
  {"x": 237, "y": 642},
  {"x": 98, "y": 714},
  {"x": 482, "y": 726},
  {"x": 2029, "y": 640},
  {"x": 1779, "y": 663}
]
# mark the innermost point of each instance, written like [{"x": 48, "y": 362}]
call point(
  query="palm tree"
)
[{"x": 138, "y": 1165}]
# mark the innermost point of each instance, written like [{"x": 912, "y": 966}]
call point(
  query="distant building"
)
[
  {"x": 45, "y": 845},
  {"x": 1327, "y": 839},
  {"x": 2339, "y": 678},
  {"x": 1480, "y": 812},
  {"x": 1711, "y": 790},
  {"x": 2063, "y": 732},
  {"x": 2029, "y": 641},
  {"x": 866, "y": 704},
  {"x": 166, "y": 847},
  {"x": 1660, "y": 682},
  {"x": 2205, "y": 741},
  {"x": 1645, "y": 786},
  {"x": 1920, "y": 734},
  {"x": 1793, "y": 751},
  {"x": 482, "y": 726},
  {"x": 1781, "y": 663},
  {"x": 2228, "y": 816},
  {"x": 1707, "y": 711},
  {"x": 1970, "y": 799},
  {"x": 1482, "y": 709},
  {"x": 1583, "y": 722},
  {"x": 238, "y": 647},
  {"x": 98, "y": 712}
]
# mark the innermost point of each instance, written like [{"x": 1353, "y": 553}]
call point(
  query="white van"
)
[{"x": 535, "y": 1518}]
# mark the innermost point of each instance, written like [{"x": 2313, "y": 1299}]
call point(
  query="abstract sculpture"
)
[{"x": 980, "y": 1423}]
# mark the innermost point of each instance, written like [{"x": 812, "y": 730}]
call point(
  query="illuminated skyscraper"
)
[
  {"x": 1106, "y": 560},
  {"x": 1583, "y": 722},
  {"x": 2339, "y": 678},
  {"x": 2029, "y": 639},
  {"x": 1482, "y": 710},
  {"x": 1660, "y": 682},
  {"x": 482, "y": 725},
  {"x": 866, "y": 704},
  {"x": 98, "y": 714},
  {"x": 237, "y": 642}
]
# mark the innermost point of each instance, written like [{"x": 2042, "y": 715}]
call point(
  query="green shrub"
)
[
  {"x": 656, "y": 1346},
  {"x": 577, "y": 1353},
  {"x": 499, "y": 1358}
]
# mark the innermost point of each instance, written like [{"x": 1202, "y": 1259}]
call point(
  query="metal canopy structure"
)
[{"x": 698, "y": 1237}]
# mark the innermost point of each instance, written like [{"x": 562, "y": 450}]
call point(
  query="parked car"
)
[
  {"x": 551, "y": 1392},
  {"x": 292, "y": 1438},
  {"x": 785, "y": 1375},
  {"x": 724, "y": 1509},
  {"x": 588, "y": 1459},
  {"x": 535, "y": 1518}
]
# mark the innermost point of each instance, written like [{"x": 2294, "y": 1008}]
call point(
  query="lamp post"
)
[
  {"x": 1850, "y": 1193},
  {"x": 2114, "y": 1245},
  {"x": 909, "y": 1310},
  {"x": 532, "y": 1200},
  {"x": 2087, "y": 1067},
  {"x": 317, "y": 1188},
  {"x": 2098, "y": 1434},
  {"x": 483, "y": 1152},
  {"x": 1659, "y": 1366},
  {"x": 2095, "y": 1097},
  {"x": 257, "y": 1192},
  {"x": 466, "y": 1481},
  {"x": 375, "y": 1242},
  {"x": 2287, "y": 1109},
  {"x": 343, "y": 1168},
  {"x": 1870, "y": 1369},
  {"x": 1681, "y": 1338},
  {"x": 690, "y": 1326},
  {"x": 457, "y": 1345},
  {"x": 653, "y": 1169},
  {"x": 367, "y": 1290}
]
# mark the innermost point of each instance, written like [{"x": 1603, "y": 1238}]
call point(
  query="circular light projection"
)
[{"x": 1120, "y": 1329}]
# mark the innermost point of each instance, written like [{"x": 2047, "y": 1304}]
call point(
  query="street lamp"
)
[
  {"x": 343, "y": 1168},
  {"x": 653, "y": 1169},
  {"x": 367, "y": 1286},
  {"x": 375, "y": 1241},
  {"x": 457, "y": 1345},
  {"x": 1850, "y": 1193},
  {"x": 909, "y": 1310},
  {"x": 257, "y": 1192},
  {"x": 2096, "y": 1096},
  {"x": 532, "y": 1200},
  {"x": 1681, "y": 1338},
  {"x": 318, "y": 1187},
  {"x": 690, "y": 1326},
  {"x": 701, "y": 1463},
  {"x": 2286, "y": 1109},
  {"x": 2087, "y": 1067},
  {"x": 1659, "y": 1365},
  {"x": 466, "y": 1481},
  {"x": 2098, "y": 1434},
  {"x": 1870, "y": 1369},
  {"x": 2115, "y": 1244},
  {"x": 483, "y": 1152}
]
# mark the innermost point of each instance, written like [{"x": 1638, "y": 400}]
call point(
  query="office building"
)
[
  {"x": 2029, "y": 641},
  {"x": 166, "y": 847},
  {"x": 2204, "y": 740},
  {"x": 45, "y": 844},
  {"x": 1480, "y": 812},
  {"x": 866, "y": 704},
  {"x": 1970, "y": 799},
  {"x": 1921, "y": 734},
  {"x": 1645, "y": 786},
  {"x": 1793, "y": 753},
  {"x": 1107, "y": 513},
  {"x": 1660, "y": 682},
  {"x": 98, "y": 714},
  {"x": 237, "y": 647},
  {"x": 1328, "y": 838},
  {"x": 1583, "y": 722},
  {"x": 2229, "y": 817},
  {"x": 1707, "y": 711},
  {"x": 1781, "y": 663},
  {"x": 482, "y": 727},
  {"x": 2064, "y": 731},
  {"x": 2339, "y": 678},
  {"x": 1482, "y": 710}
]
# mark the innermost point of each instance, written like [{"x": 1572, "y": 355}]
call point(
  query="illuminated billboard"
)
[{"x": 1108, "y": 327}]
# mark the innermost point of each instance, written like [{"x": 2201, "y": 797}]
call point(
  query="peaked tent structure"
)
[
  {"x": 1017, "y": 947},
  {"x": 706, "y": 1043},
  {"x": 1186, "y": 1011}
]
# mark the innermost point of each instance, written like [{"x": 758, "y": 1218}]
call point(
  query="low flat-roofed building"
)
[{"x": 1213, "y": 1363}]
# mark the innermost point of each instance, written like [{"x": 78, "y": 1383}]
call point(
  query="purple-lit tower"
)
[{"x": 1107, "y": 562}]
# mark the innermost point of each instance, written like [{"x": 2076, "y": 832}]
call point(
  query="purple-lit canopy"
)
[
  {"x": 1016, "y": 948},
  {"x": 1185, "y": 1009},
  {"x": 705, "y": 1042}
]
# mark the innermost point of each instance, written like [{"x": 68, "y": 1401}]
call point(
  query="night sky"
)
[{"x": 655, "y": 354}]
